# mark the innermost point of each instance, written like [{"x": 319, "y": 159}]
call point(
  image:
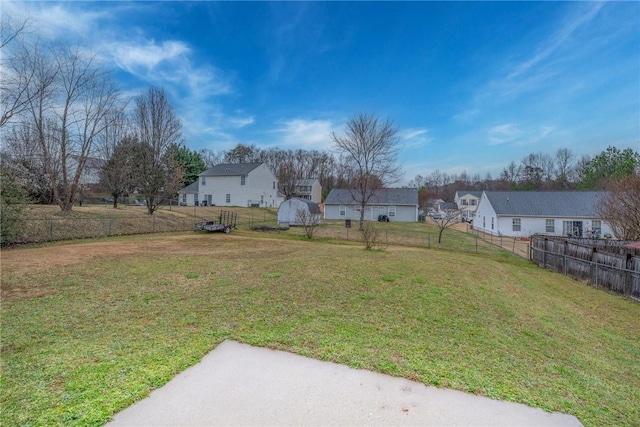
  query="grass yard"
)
[{"x": 88, "y": 328}]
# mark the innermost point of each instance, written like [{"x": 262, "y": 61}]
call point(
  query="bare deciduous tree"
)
[
  {"x": 369, "y": 149},
  {"x": 15, "y": 72},
  {"x": 564, "y": 159},
  {"x": 69, "y": 99},
  {"x": 620, "y": 207},
  {"x": 448, "y": 218},
  {"x": 157, "y": 174},
  {"x": 308, "y": 221}
]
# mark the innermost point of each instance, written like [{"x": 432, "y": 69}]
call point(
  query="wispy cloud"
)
[
  {"x": 55, "y": 21},
  {"x": 503, "y": 134},
  {"x": 558, "y": 40},
  {"x": 415, "y": 137},
  {"x": 548, "y": 57},
  {"x": 512, "y": 134},
  {"x": 307, "y": 134}
]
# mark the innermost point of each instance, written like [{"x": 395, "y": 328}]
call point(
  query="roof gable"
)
[
  {"x": 230, "y": 169},
  {"x": 383, "y": 196},
  {"x": 568, "y": 204},
  {"x": 476, "y": 194}
]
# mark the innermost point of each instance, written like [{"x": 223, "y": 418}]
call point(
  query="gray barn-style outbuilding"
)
[{"x": 289, "y": 212}]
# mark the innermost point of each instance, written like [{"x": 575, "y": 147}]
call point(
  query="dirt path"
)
[{"x": 511, "y": 244}]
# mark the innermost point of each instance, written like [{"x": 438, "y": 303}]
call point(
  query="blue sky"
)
[{"x": 470, "y": 85}]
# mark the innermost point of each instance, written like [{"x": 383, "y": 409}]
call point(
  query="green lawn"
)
[{"x": 81, "y": 341}]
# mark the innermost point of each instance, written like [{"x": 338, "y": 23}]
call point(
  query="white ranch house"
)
[
  {"x": 523, "y": 213},
  {"x": 399, "y": 204},
  {"x": 233, "y": 184}
]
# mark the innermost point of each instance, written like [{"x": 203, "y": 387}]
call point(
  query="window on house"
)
[
  {"x": 596, "y": 226},
  {"x": 343, "y": 210},
  {"x": 243, "y": 180},
  {"x": 516, "y": 224},
  {"x": 274, "y": 185},
  {"x": 392, "y": 211},
  {"x": 228, "y": 198},
  {"x": 184, "y": 198},
  {"x": 550, "y": 226},
  {"x": 484, "y": 222},
  {"x": 465, "y": 202},
  {"x": 472, "y": 202},
  {"x": 203, "y": 180},
  {"x": 492, "y": 218}
]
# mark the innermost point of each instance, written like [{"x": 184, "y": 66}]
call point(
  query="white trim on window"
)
[
  {"x": 550, "y": 226},
  {"x": 516, "y": 224}
]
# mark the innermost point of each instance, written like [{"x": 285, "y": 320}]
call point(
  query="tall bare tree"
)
[
  {"x": 69, "y": 99},
  {"x": 370, "y": 150},
  {"x": 620, "y": 207},
  {"x": 157, "y": 174},
  {"x": 15, "y": 72},
  {"x": 564, "y": 163}
]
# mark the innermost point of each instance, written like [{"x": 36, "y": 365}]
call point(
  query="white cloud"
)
[
  {"x": 307, "y": 134},
  {"x": 513, "y": 134},
  {"x": 558, "y": 39},
  {"x": 415, "y": 137},
  {"x": 141, "y": 58},
  {"x": 54, "y": 21},
  {"x": 502, "y": 134}
]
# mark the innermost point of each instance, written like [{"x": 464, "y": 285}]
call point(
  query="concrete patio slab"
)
[{"x": 237, "y": 384}]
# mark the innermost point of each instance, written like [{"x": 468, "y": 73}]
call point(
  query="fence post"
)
[
  {"x": 476, "y": 244},
  {"x": 628, "y": 278},
  {"x": 51, "y": 230}
]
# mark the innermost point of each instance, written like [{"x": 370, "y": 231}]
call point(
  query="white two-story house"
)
[
  {"x": 233, "y": 184},
  {"x": 467, "y": 202},
  {"x": 309, "y": 189}
]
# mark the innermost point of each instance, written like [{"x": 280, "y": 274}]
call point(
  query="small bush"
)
[{"x": 369, "y": 234}]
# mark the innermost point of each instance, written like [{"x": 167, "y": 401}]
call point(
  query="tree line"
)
[{"x": 60, "y": 110}]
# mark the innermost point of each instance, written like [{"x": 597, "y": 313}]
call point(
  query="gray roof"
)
[
  {"x": 477, "y": 194},
  {"x": 383, "y": 196},
  {"x": 230, "y": 169},
  {"x": 314, "y": 208},
  {"x": 191, "y": 188},
  {"x": 568, "y": 204},
  {"x": 307, "y": 182},
  {"x": 448, "y": 205}
]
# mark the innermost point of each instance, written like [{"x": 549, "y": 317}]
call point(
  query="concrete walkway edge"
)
[{"x": 237, "y": 384}]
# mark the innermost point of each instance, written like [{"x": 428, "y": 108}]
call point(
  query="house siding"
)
[
  {"x": 258, "y": 189},
  {"x": 529, "y": 225},
  {"x": 403, "y": 213}
]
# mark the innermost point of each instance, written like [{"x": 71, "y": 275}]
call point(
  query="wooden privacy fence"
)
[{"x": 604, "y": 264}]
